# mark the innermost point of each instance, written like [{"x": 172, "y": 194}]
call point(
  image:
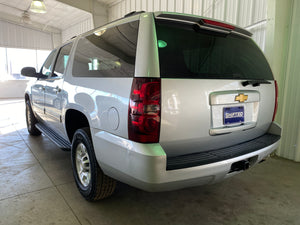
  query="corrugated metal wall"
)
[
  {"x": 250, "y": 14},
  {"x": 15, "y": 36},
  {"x": 77, "y": 29},
  {"x": 290, "y": 106}
]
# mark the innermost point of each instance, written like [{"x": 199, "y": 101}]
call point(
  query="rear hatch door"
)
[{"x": 217, "y": 88}]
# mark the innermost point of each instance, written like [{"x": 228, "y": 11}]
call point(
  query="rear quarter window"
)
[
  {"x": 107, "y": 52},
  {"x": 187, "y": 53}
]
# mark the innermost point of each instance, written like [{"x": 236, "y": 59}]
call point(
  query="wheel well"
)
[
  {"x": 74, "y": 120},
  {"x": 26, "y": 97}
]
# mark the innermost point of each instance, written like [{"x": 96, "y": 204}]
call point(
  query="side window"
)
[
  {"x": 107, "y": 52},
  {"x": 47, "y": 67},
  {"x": 62, "y": 60}
]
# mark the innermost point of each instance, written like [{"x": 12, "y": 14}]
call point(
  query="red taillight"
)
[
  {"x": 218, "y": 24},
  {"x": 276, "y": 100},
  {"x": 144, "y": 110}
]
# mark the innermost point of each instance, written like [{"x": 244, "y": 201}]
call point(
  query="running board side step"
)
[{"x": 53, "y": 136}]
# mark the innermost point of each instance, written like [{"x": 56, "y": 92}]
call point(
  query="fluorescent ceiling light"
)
[{"x": 38, "y": 6}]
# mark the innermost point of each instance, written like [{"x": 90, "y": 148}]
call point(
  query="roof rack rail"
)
[{"x": 133, "y": 13}]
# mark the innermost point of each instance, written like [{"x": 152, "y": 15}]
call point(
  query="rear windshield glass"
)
[{"x": 186, "y": 53}]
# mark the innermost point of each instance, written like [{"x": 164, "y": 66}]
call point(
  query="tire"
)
[
  {"x": 93, "y": 184},
  {"x": 31, "y": 121}
]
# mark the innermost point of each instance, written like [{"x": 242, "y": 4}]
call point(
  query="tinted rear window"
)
[
  {"x": 186, "y": 53},
  {"x": 107, "y": 52}
]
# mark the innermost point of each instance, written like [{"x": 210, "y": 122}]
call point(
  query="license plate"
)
[{"x": 233, "y": 115}]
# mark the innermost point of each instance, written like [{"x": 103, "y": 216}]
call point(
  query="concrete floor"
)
[{"x": 37, "y": 187}]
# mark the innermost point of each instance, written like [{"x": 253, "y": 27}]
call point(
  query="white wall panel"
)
[
  {"x": 144, "y": 5},
  {"x": 219, "y": 10},
  {"x": 290, "y": 79},
  {"x": 245, "y": 13},
  {"x": 179, "y": 6},
  {"x": 138, "y": 6},
  {"x": 171, "y": 5},
  {"x": 149, "y": 6},
  {"x": 208, "y": 8},
  {"x": 259, "y": 35},
  {"x": 259, "y": 10},
  {"x": 119, "y": 9},
  {"x": 132, "y": 5},
  {"x": 123, "y": 7},
  {"x": 127, "y": 7},
  {"x": 231, "y": 11},
  {"x": 197, "y": 7},
  {"x": 188, "y": 6},
  {"x": 56, "y": 39},
  {"x": 15, "y": 36},
  {"x": 77, "y": 29},
  {"x": 241, "y": 12},
  {"x": 163, "y": 5},
  {"x": 156, "y": 5}
]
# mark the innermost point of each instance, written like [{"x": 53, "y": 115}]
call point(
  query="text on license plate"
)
[{"x": 233, "y": 115}]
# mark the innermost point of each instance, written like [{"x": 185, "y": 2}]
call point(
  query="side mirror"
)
[{"x": 29, "y": 72}]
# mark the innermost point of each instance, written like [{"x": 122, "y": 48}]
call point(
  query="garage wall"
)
[
  {"x": 250, "y": 14},
  {"x": 77, "y": 29},
  {"x": 15, "y": 36},
  {"x": 287, "y": 73}
]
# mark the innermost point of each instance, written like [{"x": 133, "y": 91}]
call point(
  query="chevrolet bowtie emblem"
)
[{"x": 241, "y": 98}]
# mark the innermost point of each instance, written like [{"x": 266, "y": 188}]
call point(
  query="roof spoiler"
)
[{"x": 207, "y": 24}]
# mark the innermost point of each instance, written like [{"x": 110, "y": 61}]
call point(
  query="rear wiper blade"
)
[{"x": 255, "y": 83}]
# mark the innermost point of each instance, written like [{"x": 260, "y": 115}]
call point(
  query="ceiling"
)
[{"x": 59, "y": 15}]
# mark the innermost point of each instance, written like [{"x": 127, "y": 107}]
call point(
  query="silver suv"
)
[{"x": 159, "y": 101}]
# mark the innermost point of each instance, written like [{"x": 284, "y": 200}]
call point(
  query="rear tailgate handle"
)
[{"x": 226, "y": 130}]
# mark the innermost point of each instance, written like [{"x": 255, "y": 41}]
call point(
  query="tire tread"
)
[
  {"x": 33, "y": 131},
  {"x": 104, "y": 185}
]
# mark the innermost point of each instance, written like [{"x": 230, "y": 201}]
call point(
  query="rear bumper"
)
[
  {"x": 204, "y": 158},
  {"x": 145, "y": 165}
]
